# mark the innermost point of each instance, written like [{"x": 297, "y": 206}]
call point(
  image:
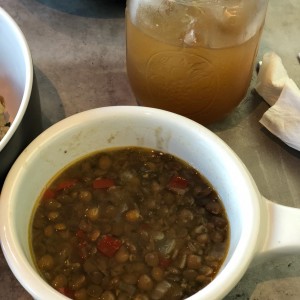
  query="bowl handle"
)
[{"x": 282, "y": 232}]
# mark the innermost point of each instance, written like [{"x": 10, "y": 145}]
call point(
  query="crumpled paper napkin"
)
[{"x": 283, "y": 95}]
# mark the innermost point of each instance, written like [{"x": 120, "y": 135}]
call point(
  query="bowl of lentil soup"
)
[{"x": 89, "y": 144}]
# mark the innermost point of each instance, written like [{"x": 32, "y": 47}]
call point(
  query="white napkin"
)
[{"x": 282, "y": 93}]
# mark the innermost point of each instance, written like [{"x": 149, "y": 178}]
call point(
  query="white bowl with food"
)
[
  {"x": 20, "y": 114},
  {"x": 256, "y": 229}
]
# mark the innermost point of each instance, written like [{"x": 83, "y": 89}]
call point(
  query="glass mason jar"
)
[{"x": 193, "y": 57}]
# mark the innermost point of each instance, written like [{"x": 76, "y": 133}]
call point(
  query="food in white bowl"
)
[
  {"x": 4, "y": 123},
  {"x": 257, "y": 227},
  {"x": 126, "y": 222},
  {"x": 19, "y": 90}
]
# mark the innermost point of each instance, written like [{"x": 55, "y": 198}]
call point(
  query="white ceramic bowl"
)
[
  {"x": 17, "y": 86},
  {"x": 249, "y": 214}
]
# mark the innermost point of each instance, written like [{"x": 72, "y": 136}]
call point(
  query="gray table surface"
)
[{"x": 78, "y": 51}]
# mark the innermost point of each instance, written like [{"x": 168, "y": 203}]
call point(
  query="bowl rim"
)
[
  {"x": 29, "y": 77},
  {"x": 248, "y": 242}
]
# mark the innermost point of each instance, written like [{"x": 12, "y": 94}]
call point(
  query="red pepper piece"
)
[
  {"x": 67, "y": 292},
  {"x": 68, "y": 183},
  {"x": 145, "y": 226},
  {"x": 82, "y": 244},
  {"x": 103, "y": 183},
  {"x": 82, "y": 250},
  {"x": 48, "y": 194},
  {"x": 178, "y": 182},
  {"x": 80, "y": 234},
  {"x": 109, "y": 245},
  {"x": 164, "y": 262}
]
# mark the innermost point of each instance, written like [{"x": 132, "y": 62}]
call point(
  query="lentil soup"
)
[{"x": 129, "y": 223}]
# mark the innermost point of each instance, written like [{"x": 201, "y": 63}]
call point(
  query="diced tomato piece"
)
[
  {"x": 109, "y": 245},
  {"x": 178, "y": 182},
  {"x": 67, "y": 292},
  {"x": 164, "y": 262},
  {"x": 48, "y": 194},
  {"x": 82, "y": 244},
  {"x": 83, "y": 250},
  {"x": 66, "y": 184},
  {"x": 145, "y": 226},
  {"x": 80, "y": 234},
  {"x": 103, "y": 183}
]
